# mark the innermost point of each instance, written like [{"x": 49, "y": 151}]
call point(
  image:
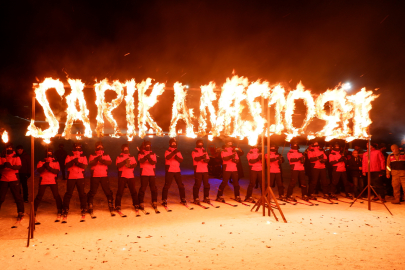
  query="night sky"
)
[{"x": 320, "y": 43}]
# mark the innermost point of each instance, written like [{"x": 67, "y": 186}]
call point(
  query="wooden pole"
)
[
  {"x": 31, "y": 226},
  {"x": 263, "y": 175},
  {"x": 369, "y": 174}
]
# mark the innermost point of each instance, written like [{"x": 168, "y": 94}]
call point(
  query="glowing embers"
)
[{"x": 4, "y": 136}]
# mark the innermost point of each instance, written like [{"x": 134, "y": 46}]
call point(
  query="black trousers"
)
[
  {"x": 377, "y": 183},
  {"x": 62, "y": 169},
  {"x": 300, "y": 177},
  {"x": 168, "y": 182},
  {"x": 358, "y": 185},
  {"x": 55, "y": 193},
  {"x": 24, "y": 184},
  {"x": 15, "y": 190},
  {"x": 121, "y": 187},
  {"x": 336, "y": 176},
  {"x": 201, "y": 178},
  {"x": 316, "y": 175},
  {"x": 253, "y": 177},
  {"x": 145, "y": 180},
  {"x": 235, "y": 181},
  {"x": 71, "y": 184},
  {"x": 105, "y": 185},
  {"x": 276, "y": 178}
]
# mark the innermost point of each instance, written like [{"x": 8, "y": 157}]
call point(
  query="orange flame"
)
[
  {"x": 130, "y": 107},
  {"x": 207, "y": 97},
  {"x": 4, "y": 136},
  {"x": 40, "y": 94},
  {"x": 277, "y": 97}
]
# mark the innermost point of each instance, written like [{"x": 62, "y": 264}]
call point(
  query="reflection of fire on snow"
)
[{"x": 226, "y": 119}]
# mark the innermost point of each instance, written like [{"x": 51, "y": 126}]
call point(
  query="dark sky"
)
[{"x": 320, "y": 43}]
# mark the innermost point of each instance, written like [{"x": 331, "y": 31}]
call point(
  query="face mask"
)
[
  {"x": 147, "y": 148},
  {"x": 272, "y": 150},
  {"x": 199, "y": 146},
  {"x": 49, "y": 155},
  {"x": 173, "y": 146},
  {"x": 99, "y": 152},
  {"x": 295, "y": 147},
  {"x": 126, "y": 151},
  {"x": 9, "y": 152},
  {"x": 229, "y": 145},
  {"x": 78, "y": 149},
  {"x": 316, "y": 146}
]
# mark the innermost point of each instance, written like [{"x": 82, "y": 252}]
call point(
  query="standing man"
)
[
  {"x": 200, "y": 163},
  {"x": 377, "y": 168},
  {"x": 75, "y": 163},
  {"x": 126, "y": 164},
  {"x": 355, "y": 169},
  {"x": 297, "y": 161},
  {"x": 48, "y": 169},
  {"x": 396, "y": 168},
  {"x": 9, "y": 166},
  {"x": 318, "y": 159},
  {"x": 99, "y": 163},
  {"x": 230, "y": 160},
  {"x": 173, "y": 158},
  {"x": 60, "y": 156},
  {"x": 338, "y": 163},
  {"x": 25, "y": 170},
  {"x": 254, "y": 157},
  {"x": 275, "y": 172},
  {"x": 147, "y": 162}
]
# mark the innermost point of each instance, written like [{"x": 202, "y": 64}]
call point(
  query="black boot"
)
[
  {"x": 220, "y": 199},
  {"x": 207, "y": 200},
  {"x": 197, "y": 201},
  {"x": 164, "y": 203},
  {"x": 90, "y": 206},
  {"x": 111, "y": 205}
]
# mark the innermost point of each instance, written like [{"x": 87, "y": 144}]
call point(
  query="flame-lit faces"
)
[{"x": 229, "y": 119}]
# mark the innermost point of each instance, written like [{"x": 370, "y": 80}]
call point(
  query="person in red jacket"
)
[
  {"x": 254, "y": 157},
  {"x": 173, "y": 158},
  {"x": 297, "y": 161},
  {"x": 200, "y": 163},
  {"x": 230, "y": 160},
  {"x": 377, "y": 169},
  {"x": 338, "y": 163},
  {"x": 318, "y": 158},
  {"x": 275, "y": 170},
  {"x": 99, "y": 162},
  {"x": 48, "y": 169},
  {"x": 75, "y": 163},
  {"x": 147, "y": 161},
  {"x": 10, "y": 163},
  {"x": 126, "y": 164}
]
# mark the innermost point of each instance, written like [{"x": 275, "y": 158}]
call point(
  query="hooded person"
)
[
  {"x": 173, "y": 158},
  {"x": 48, "y": 169},
  {"x": 126, "y": 164},
  {"x": 338, "y": 163},
  {"x": 297, "y": 161},
  {"x": 10, "y": 163},
  {"x": 230, "y": 159},
  {"x": 254, "y": 157},
  {"x": 200, "y": 164},
  {"x": 147, "y": 163},
  {"x": 75, "y": 163},
  {"x": 276, "y": 160},
  {"x": 99, "y": 162},
  {"x": 318, "y": 160},
  {"x": 25, "y": 170}
]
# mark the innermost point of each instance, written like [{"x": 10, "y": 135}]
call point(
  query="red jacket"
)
[
  {"x": 125, "y": 171},
  {"x": 147, "y": 169},
  {"x": 48, "y": 178},
  {"x": 274, "y": 162},
  {"x": 377, "y": 161},
  {"x": 174, "y": 165},
  {"x": 313, "y": 158},
  {"x": 254, "y": 154},
  {"x": 99, "y": 170},
  {"x": 338, "y": 166},
  {"x": 229, "y": 165},
  {"x": 296, "y": 160},
  {"x": 200, "y": 166},
  {"x": 76, "y": 172},
  {"x": 7, "y": 174}
]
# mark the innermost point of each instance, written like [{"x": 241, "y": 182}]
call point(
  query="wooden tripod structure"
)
[
  {"x": 267, "y": 193},
  {"x": 369, "y": 187},
  {"x": 31, "y": 227}
]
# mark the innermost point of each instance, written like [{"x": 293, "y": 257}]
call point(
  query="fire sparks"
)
[
  {"x": 147, "y": 102},
  {"x": 105, "y": 108},
  {"x": 40, "y": 94},
  {"x": 76, "y": 96},
  {"x": 4, "y": 136},
  {"x": 180, "y": 111}
]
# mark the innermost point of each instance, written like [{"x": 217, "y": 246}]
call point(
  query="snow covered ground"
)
[{"x": 315, "y": 237}]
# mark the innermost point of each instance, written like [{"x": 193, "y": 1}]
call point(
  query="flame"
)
[
  {"x": 76, "y": 96},
  {"x": 105, "y": 108},
  {"x": 180, "y": 111},
  {"x": 298, "y": 93},
  {"x": 277, "y": 97},
  {"x": 78, "y": 137},
  {"x": 229, "y": 107},
  {"x": 362, "y": 105},
  {"x": 340, "y": 112},
  {"x": 147, "y": 102},
  {"x": 40, "y": 95},
  {"x": 130, "y": 107},
  {"x": 207, "y": 97},
  {"x": 150, "y": 133},
  {"x": 210, "y": 137},
  {"x": 4, "y": 136}
]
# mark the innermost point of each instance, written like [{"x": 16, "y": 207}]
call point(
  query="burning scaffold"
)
[{"x": 228, "y": 118}]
